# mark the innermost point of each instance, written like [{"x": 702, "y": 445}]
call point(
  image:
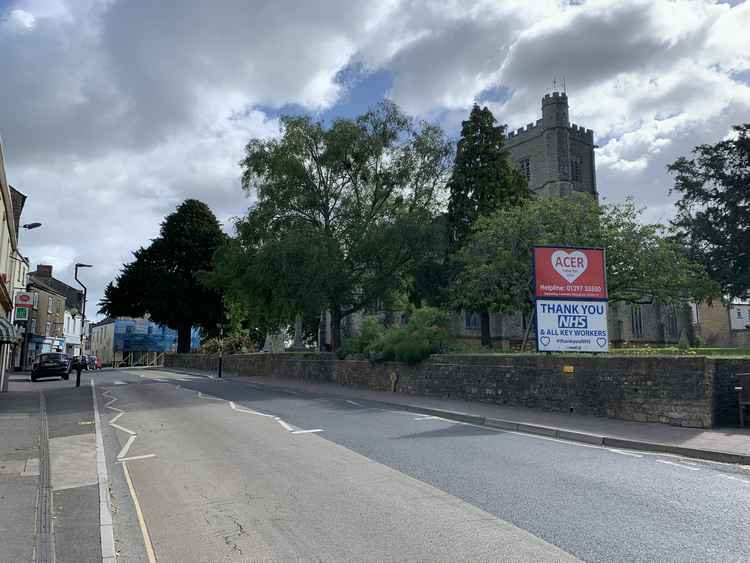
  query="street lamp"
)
[
  {"x": 30, "y": 226},
  {"x": 83, "y": 311}
]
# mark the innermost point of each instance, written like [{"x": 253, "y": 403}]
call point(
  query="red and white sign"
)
[
  {"x": 562, "y": 272},
  {"x": 24, "y": 299}
]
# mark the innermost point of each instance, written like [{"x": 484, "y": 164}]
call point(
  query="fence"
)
[{"x": 143, "y": 359}]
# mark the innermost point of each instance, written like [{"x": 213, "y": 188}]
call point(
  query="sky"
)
[{"x": 112, "y": 112}]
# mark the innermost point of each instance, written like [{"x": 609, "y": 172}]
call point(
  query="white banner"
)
[{"x": 571, "y": 326}]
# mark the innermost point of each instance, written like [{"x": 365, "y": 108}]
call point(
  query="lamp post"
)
[
  {"x": 83, "y": 309},
  {"x": 26, "y": 333}
]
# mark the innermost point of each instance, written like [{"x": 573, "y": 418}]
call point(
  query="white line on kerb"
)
[
  {"x": 665, "y": 462},
  {"x": 734, "y": 478},
  {"x": 202, "y": 396},
  {"x": 307, "y": 431},
  {"x": 106, "y": 532},
  {"x": 624, "y": 452},
  {"x": 284, "y": 424},
  {"x": 126, "y": 447},
  {"x": 355, "y": 403}
]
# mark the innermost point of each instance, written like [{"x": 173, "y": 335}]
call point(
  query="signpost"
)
[{"x": 570, "y": 289}]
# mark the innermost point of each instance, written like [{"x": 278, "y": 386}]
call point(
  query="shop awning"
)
[{"x": 7, "y": 331}]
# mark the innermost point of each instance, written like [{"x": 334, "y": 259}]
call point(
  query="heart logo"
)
[
  {"x": 602, "y": 342},
  {"x": 544, "y": 340},
  {"x": 569, "y": 265}
]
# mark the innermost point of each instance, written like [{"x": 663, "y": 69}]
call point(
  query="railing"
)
[{"x": 146, "y": 359}]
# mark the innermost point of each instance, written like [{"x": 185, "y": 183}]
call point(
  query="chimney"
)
[{"x": 44, "y": 270}]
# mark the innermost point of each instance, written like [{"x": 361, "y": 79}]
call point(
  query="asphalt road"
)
[{"x": 228, "y": 470}]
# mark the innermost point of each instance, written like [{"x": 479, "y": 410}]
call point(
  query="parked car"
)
[
  {"x": 95, "y": 362},
  {"x": 51, "y": 364}
]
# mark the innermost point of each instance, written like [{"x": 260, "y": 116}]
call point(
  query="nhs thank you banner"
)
[{"x": 570, "y": 289}]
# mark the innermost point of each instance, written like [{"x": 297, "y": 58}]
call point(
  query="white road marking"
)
[
  {"x": 120, "y": 383},
  {"x": 355, "y": 403},
  {"x": 211, "y": 397},
  {"x": 144, "y": 530},
  {"x": 248, "y": 411},
  {"x": 307, "y": 431},
  {"x": 665, "y": 462},
  {"x": 126, "y": 447},
  {"x": 116, "y": 417},
  {"x": 284, "y": 424},
  {"x": 429, "y": 418},
  {"x": 106, "y": 532},
  {"x": 134, "y": 457},
  {"x": 122, "y": 428},
  {"x": 31, "y": 468},
  {"x": 735, "y": 478},
  {"x": 624, "y": 452}
]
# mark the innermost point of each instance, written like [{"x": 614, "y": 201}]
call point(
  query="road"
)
[{"x": 232, "y": 470}]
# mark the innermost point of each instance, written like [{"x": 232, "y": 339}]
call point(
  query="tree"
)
[
  {"x": 713, "y": 213},
  {"x": 642, "y": 260},
  {"x": 483, "y": 181},
  {"x": 163, "y": 279},
  {"x": 342, "y": 214}
]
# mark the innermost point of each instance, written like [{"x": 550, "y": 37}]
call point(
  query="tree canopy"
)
[
  {"x": 163, "y": 279},
  {"x": 713, "y": 213},
  {"x": 483, "y": 181},
  {"x": 642, "y": 260},
  {"x": 342, "y": 214}
]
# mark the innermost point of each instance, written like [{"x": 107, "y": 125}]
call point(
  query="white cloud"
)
[{"x": 114, "y": 111}]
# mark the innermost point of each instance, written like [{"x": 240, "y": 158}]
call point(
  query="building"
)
[
  {"x": 555, "y": 156},
  {"x": 721, "y": 325},
  {"x": 9, "y": 258},
  {"x": 129, "y": 340},
  {"x": 46, "y": 332},
  {"x": 557, "y": 159}
]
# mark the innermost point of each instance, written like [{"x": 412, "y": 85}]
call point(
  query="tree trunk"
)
[
  {"x": 335, "y": 328},
  {"x": 183, "y": 338},
  {"x": 528, "y": 330},
  {"x": 484, "y": 319}
]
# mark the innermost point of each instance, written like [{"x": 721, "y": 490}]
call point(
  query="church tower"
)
[{"x": 555, "y": 156}]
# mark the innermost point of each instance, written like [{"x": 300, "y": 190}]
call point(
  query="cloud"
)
[{"x": 114, "y": 111}]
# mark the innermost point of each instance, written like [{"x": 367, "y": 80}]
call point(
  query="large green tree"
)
[
  {"x": 643, "y": 261},
  {"x": 713, "y": 213},
  {"x": 483, "y": 181},
  {"x": 163, "y": 279},
  {"x": 342, "y": 214}
]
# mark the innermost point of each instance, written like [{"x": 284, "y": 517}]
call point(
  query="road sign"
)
[
  {"x": 22, "y": 313},
  {"x": 24, "y": 299},
  {"x": 572, "y": 326},
  {"x": 570, "y": 273}
]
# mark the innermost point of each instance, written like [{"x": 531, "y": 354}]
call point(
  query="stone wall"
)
[{"x": 682, "y": 391}]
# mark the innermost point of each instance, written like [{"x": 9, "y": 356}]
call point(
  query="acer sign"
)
[
  {"x": 569, "y": 273},
  {"x": 570, "y": 288}
]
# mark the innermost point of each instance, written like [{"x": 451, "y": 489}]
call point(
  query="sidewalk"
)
[
  {"x": 731, "y": 445},
  {"x": 19, "y": 472}
]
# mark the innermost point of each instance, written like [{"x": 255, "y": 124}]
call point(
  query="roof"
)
[
  {"x": 44, "y": 287},
  {"x": 73, "y": 296},
  {"x": 18, "y": 199}
]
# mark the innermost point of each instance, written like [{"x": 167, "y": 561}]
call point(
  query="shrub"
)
[
  {"x": 684, "y": 343},
  {"x": 426, "y": 333},
  {"x": 370, "y": 333}
]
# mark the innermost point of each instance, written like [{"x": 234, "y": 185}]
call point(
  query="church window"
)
[
  {"x": 524, "y": 166},
  {"x": 636, "y": 321},
  {"x": 471, "y": 320},
  {"x": 575, "y": 170}
]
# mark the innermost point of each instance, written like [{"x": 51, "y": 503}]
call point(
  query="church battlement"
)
[
  {"x": 579, "y": 132},
  {"x": 531, "y": 130}
]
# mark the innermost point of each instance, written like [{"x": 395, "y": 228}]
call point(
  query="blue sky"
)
[{"x": 120, "y": 110}]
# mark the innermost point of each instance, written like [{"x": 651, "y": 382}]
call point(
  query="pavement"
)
[
  {"x": 730, "y": 445},
  {"x": 184, "y": 467}
]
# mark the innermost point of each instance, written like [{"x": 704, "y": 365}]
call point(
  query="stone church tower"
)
[{"x": 555, "y": 156}]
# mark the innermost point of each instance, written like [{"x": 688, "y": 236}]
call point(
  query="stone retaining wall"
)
[{"x": 683, "y": 391}]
